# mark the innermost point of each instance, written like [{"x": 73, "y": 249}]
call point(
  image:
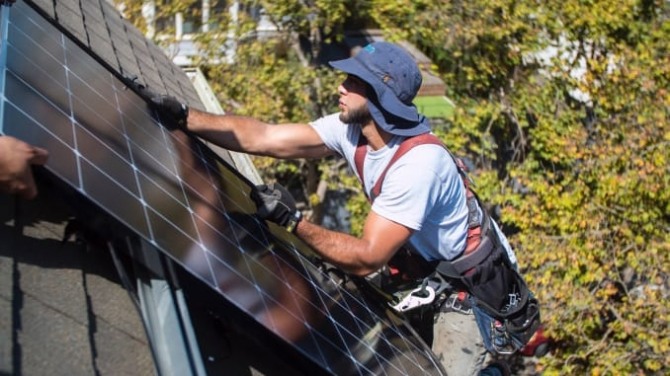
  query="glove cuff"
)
[
  {"x": 182, "y": 116},
  {"x": 293, "y": 221}
]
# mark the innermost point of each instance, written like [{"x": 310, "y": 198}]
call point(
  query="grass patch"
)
[{"x": 437, "y": 106}]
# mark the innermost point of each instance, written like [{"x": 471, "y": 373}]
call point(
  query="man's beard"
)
[{"x": 360, "y": 115}]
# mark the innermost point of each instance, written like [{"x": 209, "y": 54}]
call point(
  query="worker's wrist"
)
[
  {"x": 182, "y": 116},
  {"x": 294, "y": 220}
]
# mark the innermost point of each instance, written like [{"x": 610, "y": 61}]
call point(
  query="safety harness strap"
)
[
  {"x": 479, "y": 244},
  {"x": 407, "y": 145},
  {"x": 474, "y": 220},
  {"x": 470, "y": 259},
  {"x": 507, "y": 314}
]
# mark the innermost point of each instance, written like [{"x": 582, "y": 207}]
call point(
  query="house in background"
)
[{"x": 184, "y": 27}]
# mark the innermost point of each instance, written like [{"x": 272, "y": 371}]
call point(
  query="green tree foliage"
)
[
  {"x": 162, "y": 13},
  {"x": 563, "y": 106}
]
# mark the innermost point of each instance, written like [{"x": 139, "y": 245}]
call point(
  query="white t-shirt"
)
[{"x": 422, "y": 190}]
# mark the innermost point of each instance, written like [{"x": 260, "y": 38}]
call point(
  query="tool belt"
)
[{"x": 506, "y": 311}]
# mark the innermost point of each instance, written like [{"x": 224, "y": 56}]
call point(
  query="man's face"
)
[{"x": 353, "y": 101}]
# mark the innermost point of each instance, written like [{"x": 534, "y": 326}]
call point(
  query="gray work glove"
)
[
  {"x": 276, "y": 204},
  {"x": 171, "y": 112}
]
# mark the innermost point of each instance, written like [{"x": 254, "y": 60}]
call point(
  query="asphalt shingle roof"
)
[{"x": 63, "y": 310}]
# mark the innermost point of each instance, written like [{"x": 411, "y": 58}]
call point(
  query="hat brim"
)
[
  {"x": 395, "y": 125},
  {"x": 387, "y": 99}
]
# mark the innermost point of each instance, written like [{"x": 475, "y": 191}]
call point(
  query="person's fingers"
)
[
  {"x": 26, "y": 188},
  {"x": 25, "y": 185},
  {"x": 40, "y": 156}
]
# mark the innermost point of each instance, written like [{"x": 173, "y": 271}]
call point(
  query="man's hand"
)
[
  {"x": 16, "y": 157},
  {"x": 276, "y": 204},
  {"x": 171, "y": 111}
]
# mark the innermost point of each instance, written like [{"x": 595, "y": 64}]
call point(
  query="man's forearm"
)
[
  {"x": 237, "y": 133},
  {"x": 342, "y": 250},
  {"x": 249, "y": 135}
]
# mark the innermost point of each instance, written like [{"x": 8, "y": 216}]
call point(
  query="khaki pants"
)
[{"x": 458, "y": 344}]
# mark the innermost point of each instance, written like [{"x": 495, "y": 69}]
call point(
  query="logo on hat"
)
[{"x": 395, "y": 79}]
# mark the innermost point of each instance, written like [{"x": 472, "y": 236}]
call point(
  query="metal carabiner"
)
[{"x": 420, "y": 296}]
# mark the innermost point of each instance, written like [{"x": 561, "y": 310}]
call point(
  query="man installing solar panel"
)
[{"x": 444, "y": 260}]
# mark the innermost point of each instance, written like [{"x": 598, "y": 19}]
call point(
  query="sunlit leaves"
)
[{"x": 586, "y": 183}]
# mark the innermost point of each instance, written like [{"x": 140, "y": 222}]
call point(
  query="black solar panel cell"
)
[{"x": 17, "y": 123}]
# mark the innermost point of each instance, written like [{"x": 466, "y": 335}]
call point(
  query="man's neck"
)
[{"x": 377, "y": 137}]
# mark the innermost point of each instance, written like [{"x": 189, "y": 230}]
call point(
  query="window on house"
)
[{"x": 203, "y": 13}]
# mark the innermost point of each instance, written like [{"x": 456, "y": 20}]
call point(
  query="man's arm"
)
[
  {"x": 381, "y": 239},
  {"x": 16, "y": 157},
  {"x": 236, "y": 133},
  {"x": 246, "y": 134}
]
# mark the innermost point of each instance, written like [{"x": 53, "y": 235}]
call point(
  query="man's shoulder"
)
[
  {"x": 427, "y": 154},
  {"x": 425, "y": 158},
  {"x": 335, "y": 134},
  {"x": 327, "y": 119}
]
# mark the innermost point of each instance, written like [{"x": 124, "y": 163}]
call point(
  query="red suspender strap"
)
[
  {"x": 359, "y": 158},
  {"x": 405, "y": 146}
]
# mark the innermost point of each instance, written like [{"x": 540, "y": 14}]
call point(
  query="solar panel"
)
[{"x": 174, "y": 192}]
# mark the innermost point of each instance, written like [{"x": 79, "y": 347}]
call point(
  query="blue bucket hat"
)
[{"x": 395, "y": 79}]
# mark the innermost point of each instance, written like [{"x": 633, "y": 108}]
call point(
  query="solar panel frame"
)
[{"x": 186, "y": 201}]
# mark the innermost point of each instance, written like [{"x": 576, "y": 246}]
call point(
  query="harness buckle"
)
[
  {"x": 420, "y": 296},
  {"x": 457, "y": 303}
]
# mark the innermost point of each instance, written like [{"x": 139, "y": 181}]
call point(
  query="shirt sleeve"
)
[{"x": 331, "y": 131}]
